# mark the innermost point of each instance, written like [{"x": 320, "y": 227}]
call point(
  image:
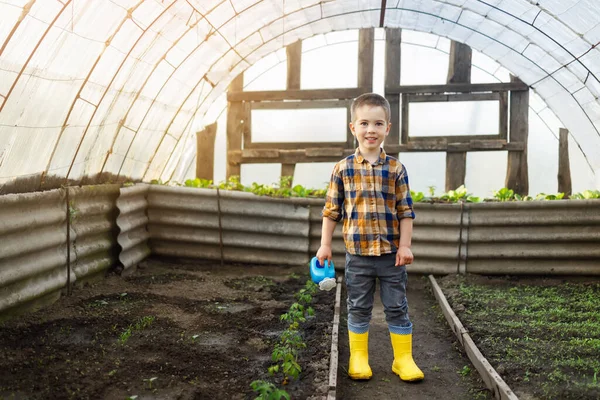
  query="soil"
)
[
  {"x": 173, "y": 330},
  {"x": 448, "y": 372},
  {"x": 540, "y": 333}
]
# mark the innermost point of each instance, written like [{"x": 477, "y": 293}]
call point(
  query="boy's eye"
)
[{"x": 363, "y": 123}]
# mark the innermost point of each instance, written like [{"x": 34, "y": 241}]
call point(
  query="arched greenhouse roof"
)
[{"x": 107, "y": 88}]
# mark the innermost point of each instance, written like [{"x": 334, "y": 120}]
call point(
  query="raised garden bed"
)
[
  {"x": 171, "y": 330},
  {"x": 542, "y": 335}
]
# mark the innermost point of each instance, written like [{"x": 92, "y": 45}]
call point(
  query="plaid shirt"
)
[{"x": 373, "y": 199}]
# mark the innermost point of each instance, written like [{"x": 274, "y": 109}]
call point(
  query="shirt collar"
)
[{"x": 360, "y": 159}]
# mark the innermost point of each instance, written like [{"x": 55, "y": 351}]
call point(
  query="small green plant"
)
[
  {"x": 465, "y": 371},
  {"x": 125, "y": 335},
  {"x": 143, "y": 323},
  {"x": 199, "y": 183},
  {"x": 233, "y": 183},
  {"x": 268, "y": 391},
  {"x": 504, "y": 194},
  {"x": 417, "y": 196},
  {"x": 150, "y": 381},
  {"x": 586, "y": 195},
  {"x": 431, "y": 190},
  {"x": 435, "y": 368},
  {"x": 544, "y": 196},
  {"x": 459, "y": 194}
]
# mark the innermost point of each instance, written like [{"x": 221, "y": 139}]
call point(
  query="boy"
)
[{"x": 369, "y": 191}]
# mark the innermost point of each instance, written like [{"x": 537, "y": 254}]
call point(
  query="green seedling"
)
[
  {"x": 465, "y": 371},
  {"x": 150, "y": 381},
  {"x": 431, "y": 190},
  {"x": 268, "y": 391}
]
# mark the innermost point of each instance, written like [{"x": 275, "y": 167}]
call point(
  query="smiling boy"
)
[{"x": 369, "y": 191}]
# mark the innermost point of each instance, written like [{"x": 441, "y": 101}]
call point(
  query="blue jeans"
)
[{"x": 361, "y": 276}]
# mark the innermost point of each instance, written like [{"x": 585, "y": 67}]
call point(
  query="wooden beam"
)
[
  {"x": 517, "y": 176},
  {"x": 425, "y": 98},
  {"x": 456, "y": 169},
  {"x": 299, "y": 105},
  {"x": 294, "y": 64},
  {"x": 311, "y": 94},
  {"x": 393, "y": 41},
  {"x": 291, "y": 145},
  {"x": 205, "y": 153},
  {"x": 366, "y": 51},
  {"x": 235, "y": 125},
  {"x": 459, "y": 88},
  {"x": 459, "y": 67},
  {"x": 564, "y": 166},
  {"x": 335, "y": 153}
]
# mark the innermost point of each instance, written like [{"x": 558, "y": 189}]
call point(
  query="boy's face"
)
[{"x": 370, "y": 127}]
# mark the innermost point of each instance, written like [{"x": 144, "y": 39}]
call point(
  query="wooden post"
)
[
  {"x": 294, "y": 72},
  {"x": 393, "y": 40},
  {"x": 366, "y": 49},
  {"x": 517, "y": 177},
  {"x": 459, "y": 71},
  {"x": 294, "y": 64},
  {"x": 564, "y": 167},
  {"x": 236, "y": 113},
  {"x": 205, "y": 154},
  {"x": 459, "y": 67},
  {"x": 456, "y": 163}
]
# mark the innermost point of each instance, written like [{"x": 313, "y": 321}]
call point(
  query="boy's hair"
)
[{"x": 373, "y": 100}]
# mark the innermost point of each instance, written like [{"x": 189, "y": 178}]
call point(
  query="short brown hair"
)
[{"x": 370, "y": 99}]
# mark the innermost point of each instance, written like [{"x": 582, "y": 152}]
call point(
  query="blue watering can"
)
[{"x": 319, "y": 272}]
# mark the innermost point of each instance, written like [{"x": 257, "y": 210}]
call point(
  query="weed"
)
[{"x": 435, "y": 368}]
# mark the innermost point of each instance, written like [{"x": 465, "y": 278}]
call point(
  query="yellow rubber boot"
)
[
  {"x": 359, "y": 356},
  {"x": 404, "y": 366}
]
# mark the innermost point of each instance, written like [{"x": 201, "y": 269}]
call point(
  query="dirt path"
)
[{"x": 448, "y": 372}]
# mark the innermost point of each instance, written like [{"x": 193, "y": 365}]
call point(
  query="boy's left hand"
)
[{"x": 404, "y": 256}]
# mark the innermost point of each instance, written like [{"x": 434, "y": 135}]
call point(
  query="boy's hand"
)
[
  {"x": 404, "y": 256},
  {"x": 324, "y": 253}
]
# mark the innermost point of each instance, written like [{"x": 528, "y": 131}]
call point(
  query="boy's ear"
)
[
  {"x": 352, "y": 127},
  {"x": 389, "y": 125}
]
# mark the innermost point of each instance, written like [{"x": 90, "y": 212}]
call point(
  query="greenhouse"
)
[{"x": 168, "y": 182}]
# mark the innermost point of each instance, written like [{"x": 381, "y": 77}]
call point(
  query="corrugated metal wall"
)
[
  {"x": 554, "y": 237},
  {"x": 93, "y": 213},
  {"x": 551, "y": 237},
  {"x": 33, "y": 247},
  {"x": 201, "y": 223},
  {"x": 133, "y": 224}
]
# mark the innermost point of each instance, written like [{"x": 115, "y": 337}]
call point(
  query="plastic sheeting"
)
[{"x": 104, "y": 90}]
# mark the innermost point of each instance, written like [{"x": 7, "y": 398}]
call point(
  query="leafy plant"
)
[
  {"x": 268, "y": 391},
  {"x": 199, "y": 183},
  {"x": 431, "y": 190},
  {"x": 504, "y": 194},
  {"x": 417, "y": 196},
  {"x": 586, "y": 195},
  {"x": 233, "y": 183},
  {"x": 544, "y": 196},
  {"x": 459, "y": 194}
]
